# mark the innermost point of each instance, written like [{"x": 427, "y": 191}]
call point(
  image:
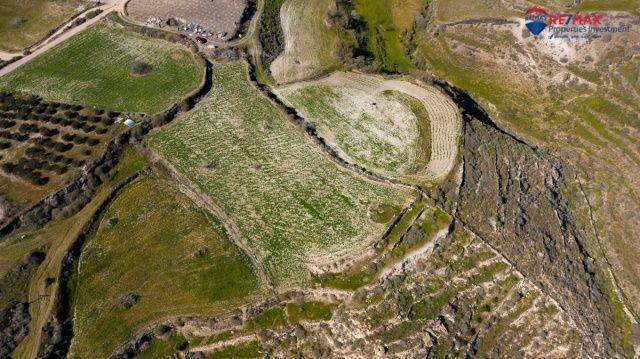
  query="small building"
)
[{"x": 129, "y": 122}]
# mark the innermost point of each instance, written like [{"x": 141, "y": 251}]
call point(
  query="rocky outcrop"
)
[
  {"x": 527, "y": 205},
  {"x": 14, "y": 322}
]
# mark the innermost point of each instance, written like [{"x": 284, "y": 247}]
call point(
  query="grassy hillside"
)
[
  {"x": 37, "y": 18},
  {"x": 164, "y": 250},
  {"x": 310, "y": 44},
  {"x": 387, "y": 21},
  {"x": 290, "y": 202},
  {"x": 94, "y": 68},
  {"x": 561, "y": 95}
]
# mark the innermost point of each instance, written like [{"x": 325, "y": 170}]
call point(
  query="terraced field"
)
[
  {"x": 167, "y": 254},
  {"x": 393, "y": 127},
  {"x": 310, "y": 44},
  {"x": 455, "y": 298},
  {"x": 94, "y": 68},
  {"x": 291, "y": 203}
]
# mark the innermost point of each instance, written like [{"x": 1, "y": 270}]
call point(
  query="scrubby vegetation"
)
[{"x": 94, "y": 68}]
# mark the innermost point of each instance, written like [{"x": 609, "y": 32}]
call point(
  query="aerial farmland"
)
[{"x": 318, "y": 179}]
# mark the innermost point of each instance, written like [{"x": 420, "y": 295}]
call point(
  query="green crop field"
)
[
  {"x": 37, "y": 18},
  {"x": 94, "y": 68},
  {"x": 290, "y": 202},
  {"x": 169, "y": 252}
]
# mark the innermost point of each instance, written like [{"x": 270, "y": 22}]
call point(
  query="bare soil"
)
[{"x": 217, "y": 16}]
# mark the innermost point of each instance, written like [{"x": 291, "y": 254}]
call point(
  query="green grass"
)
[
  {"x": 240, "y": 351},
  {"x": 168, "y": 251},
  {"x": 396, "y": 247},
  {"x": 387, "y": 20},
  {"x": 38, "y": 18},
  {"x": 611, "y": 5},
  {"x": 160, "y": 348},
  {"x": 289, "y": 201},
  {"x": 459, "y": 10},
  {"x": 312, "y": 43},
  {"x": 94, "y": 68}
]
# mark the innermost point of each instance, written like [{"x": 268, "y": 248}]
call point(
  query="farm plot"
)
[
  {"x": 310, "y": 44},
  {"x": 393, "y": 127},
  {"x": 95, "y": 68},
  {"x": 217, "y": 16},
  {"x": 291, "y": 203},
  {"x": 155, "y": 254},
  {"x": 24, "y": 23},
  {"x": 43, "y": 144}
]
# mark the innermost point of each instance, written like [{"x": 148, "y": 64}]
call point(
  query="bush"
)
[
  {"x": 5, "y": 145},
  {"x": 140, "y": 68},
  {"x": 63, "y": 147},
  {"x": 128, "y": 300},
  {"x": 93, "y": 141},
  {"x": 15, "y": 22}
]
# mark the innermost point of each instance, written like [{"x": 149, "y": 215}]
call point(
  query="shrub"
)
[
  {"x": 7, "y": 123},
  {"x": 15, "y": 22},
  {"x": 50, "y": 132},
  {"x": 5, "y": 145},
  {"x": 140, "y": 68},
  {"x": 93, "y": 141},
  {"x": 80, "y": 139},
  {"x": 128, "y": 300},
  {"x": 88, "y": 128},
  {"x": 108, "y": 121},
  {"x": 63, "y": 147}
]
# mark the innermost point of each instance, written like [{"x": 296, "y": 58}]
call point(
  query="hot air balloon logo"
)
[{"x": 536, "y": 20}]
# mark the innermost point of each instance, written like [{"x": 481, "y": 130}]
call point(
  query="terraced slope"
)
[
  {"x": 459, "y": 298},
  {"x": 310, "y": 44},
  {"x": 167, "y": 254},
  {"x": 94, "y": 68},
  {"x": 290, "y": 202},
  {"x": 393, "y": 127}
]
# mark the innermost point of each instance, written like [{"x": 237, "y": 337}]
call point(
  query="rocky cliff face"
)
[{"x": 529, "y": 206}]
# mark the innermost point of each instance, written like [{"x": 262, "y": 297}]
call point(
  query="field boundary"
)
[{"x": 234, "y": 233}]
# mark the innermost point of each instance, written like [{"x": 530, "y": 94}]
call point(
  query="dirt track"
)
[{"x": 61, "y": 35}]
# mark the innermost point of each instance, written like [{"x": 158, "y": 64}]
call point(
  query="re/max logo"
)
[{"x": 574, "y": 19}]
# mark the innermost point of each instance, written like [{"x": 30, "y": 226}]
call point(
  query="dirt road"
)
[{"x": 60, "y": 36}]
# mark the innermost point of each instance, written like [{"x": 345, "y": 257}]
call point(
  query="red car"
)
[{"x": 201, "y": 40}]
